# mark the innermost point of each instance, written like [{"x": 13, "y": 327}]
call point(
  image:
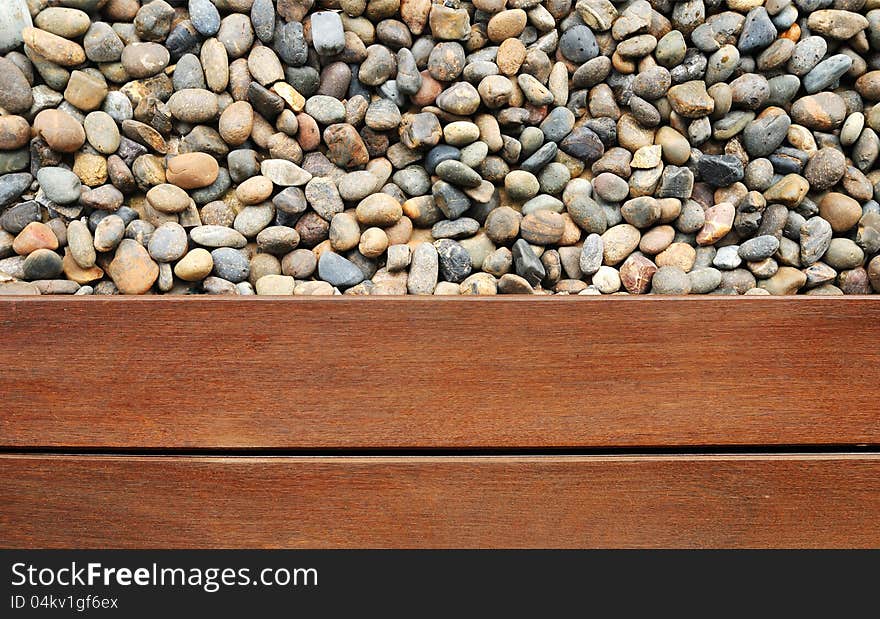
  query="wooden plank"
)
[
  {"x": 193, "y": 373},
  {"x": 467, "y": 502}
]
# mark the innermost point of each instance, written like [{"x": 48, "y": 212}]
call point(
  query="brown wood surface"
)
[
  {"x": 438, "y": 501},
  {"x": 192, "y": 373}
]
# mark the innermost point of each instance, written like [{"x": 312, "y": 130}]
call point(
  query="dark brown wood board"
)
[
  {"x": 437, "y": 501},
  {"x": 449, "y": 373}
]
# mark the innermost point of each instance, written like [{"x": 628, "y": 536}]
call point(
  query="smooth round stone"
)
[
  {"x": 456, "y": 229},
  {"x": 109, "y": 233},
  {"x": 704, "y": 280},
  {"x": 60, "y": 130},
  {"x": 671, "y": 49},
  {"x": 459, "y": 174},
  {"x": 194, "y": 105},
  {"x": 641, "y": 212},
  {"x": 81, "y": 244},
  {"x": 852, "y": 128},
  {"x": 825, "y": 168},
  {"x": 102, "y": 132},
  {"x": 252, "y": 219},
  {"x": 254, "y": 190},
  {"x": 195, "y": 266},
  {"x": 843, "y": 254},
  {"x": 42, "y": 264},
  {"x": 758, "y": 248},
  {"x": 823, "y": 111},
  {"x": 230, "y": 264},
  {"x": 338, "y": 271},
  {"x": 59, "y": 184},
  {"x": 275, "y": 285},
  {"x": 383, "y": 115},
  {"x": 192, "y": 170},
  {"x": 807, "y": 54},
  {"x": 36, "y": 235},
  {"x": 326, "y": 110},
  {"x": 204, "y": 16},
  {"x": 765, "y": 134},
  {"x": 53, "y": 48},
  {"x": 461, "y": 98},
  {"x": 142, "y": 60},
  {"x": 619, "y": 242},
  {"x": 826, "y": 73},
  {"x": 217, "y": 236},
  {"x": 675, "y": 147},
  {"x": 578, "y": 44},
  {"x": 758, "y": 31},
  {"x": 118, "y": 106},
  {"x": 379, "y": 210},
  {"x": 413, "y": 180},
  {"x": 656, "y": 239},
  {"x": 167, "y": 198},
  {"x": 101, "y": 42},
  {"x": 670, "y": 280},
  {"x": 277, "y": 240},
  {"x": 521, "y": 185},
  {"x": 787, "y": 280},
  {"x": 840, "y": 210},
  {"x": 168, "y": 242},
  {"x": 502, "y": 224}
]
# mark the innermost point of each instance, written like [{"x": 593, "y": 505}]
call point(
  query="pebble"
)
[
  {"x": 338, "y": 271},
  {"x": 132, "y": 269},
  {"x": 195, "y": 266},
  {"x": 192, "y": 170},
  {"x": 424, "y": 270},
  {"x": 670, "y": 280},
  {"x": 42, "y": 264},
  {"x": 59, "y": 184},
  {"x": 230, "y": 264}
]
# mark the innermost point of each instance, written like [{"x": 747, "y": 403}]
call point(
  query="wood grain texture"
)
[
  {"x": 437, "y": 502},
  {"x": 190, "y": 373}
]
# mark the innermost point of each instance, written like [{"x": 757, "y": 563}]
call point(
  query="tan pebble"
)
[
  {"x": 192, "y": 170},
  {"x": 167, "y": 198},
  {"x": 373, "y": 242},
  {"x": 15, "y": 132},
  {"x": 506, "y": 25},
  {"x": 236, "y": 123},
  {"x": 254, "y": 190},
  {"x": 679, "y": 255},
  {"x": 54, "y": 48},
  {"x": 60, "y": 130},
  {"x": 132, "y": 269},
  {"x": 196, "y": 265},
  {"x": 379, "y": 209}
]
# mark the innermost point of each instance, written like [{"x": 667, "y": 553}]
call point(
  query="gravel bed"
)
[{"x": 390, "y": 147}]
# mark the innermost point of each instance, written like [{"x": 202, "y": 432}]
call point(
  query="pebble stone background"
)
[{"x": 318, "y": 147}]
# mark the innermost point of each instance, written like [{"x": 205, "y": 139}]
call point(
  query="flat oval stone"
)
[
  {"x": 217, "y": 236},
  {"x": 59, "y": 184},
  {"x": 192, "y": 170}
]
